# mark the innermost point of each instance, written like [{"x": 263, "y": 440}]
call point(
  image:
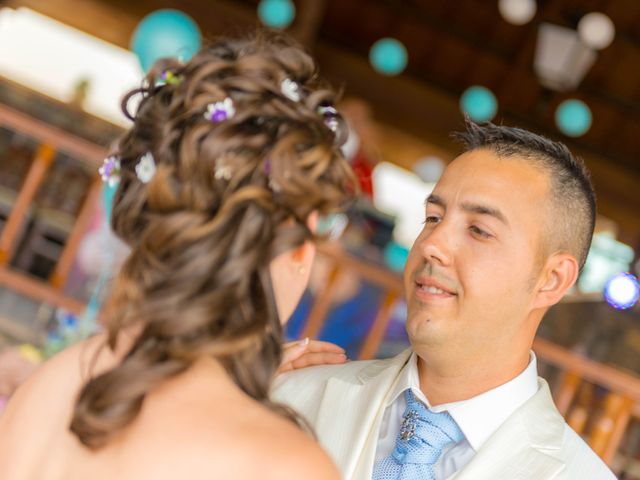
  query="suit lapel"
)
[
  {"x": 522, "y": 448},
  {"x": 361, "y": 404}
]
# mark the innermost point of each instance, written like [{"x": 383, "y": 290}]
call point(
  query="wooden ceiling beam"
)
[{"x": 407, "y": 103}]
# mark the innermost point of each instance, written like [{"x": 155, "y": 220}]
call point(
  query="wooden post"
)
[
  {"x": 577, "y": 418},
  {"x": 379, "y": 327},
  {"x": 614, "y": 419},
  {"x": 35, "y": 176},
  {"x": 620, "y": 425},
  {"x": 38, "y": 290},
  {"x": 321, "y": 305},
  {"x": 569, "y": 384},
  {"x": 58, "y": 277}
]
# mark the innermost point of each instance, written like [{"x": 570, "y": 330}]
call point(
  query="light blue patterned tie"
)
[{"x": 423, "y": 435}]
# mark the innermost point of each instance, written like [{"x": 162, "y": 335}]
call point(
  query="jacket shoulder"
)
[
  {"x": 580, "y": 460},
  {"x": 304, "y": 389},
  {"x": 312, "y": 379}
]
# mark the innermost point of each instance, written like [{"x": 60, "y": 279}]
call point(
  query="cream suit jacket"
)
[{"x": 345, "y": 403}]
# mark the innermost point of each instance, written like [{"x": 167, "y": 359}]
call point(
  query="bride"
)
[{"x": 231, "y": 158}]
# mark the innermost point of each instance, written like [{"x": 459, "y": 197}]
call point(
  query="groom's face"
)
[{"x": 470, "y": 274}]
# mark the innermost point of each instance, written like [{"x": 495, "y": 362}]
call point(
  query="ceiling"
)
[{"x": 452, "y": 45}]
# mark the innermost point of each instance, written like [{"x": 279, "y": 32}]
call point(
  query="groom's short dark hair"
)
[{"x": 573, "y": 199}]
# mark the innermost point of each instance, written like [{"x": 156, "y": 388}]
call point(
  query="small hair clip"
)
[
  {"x": 273, "y": 185},
  {"x": 330, "y": 115},
  {"x": 290, "y": 89},
  {"x": 110, "y": 170},
  {"x": 220, "y": 111},
  {"x": 169, "y": 78},
  {"x": 146, "y": 168}
]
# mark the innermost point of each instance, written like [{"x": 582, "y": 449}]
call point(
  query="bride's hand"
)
[{"x": 305, "y": 353}]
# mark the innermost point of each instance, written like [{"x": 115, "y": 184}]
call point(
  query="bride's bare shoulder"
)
[
  {"x": 266, "y": 449},
  {"x": 209, "y": 425},
  {"x": 289, "y": 453},
  {"x": 62, "y": 374}
]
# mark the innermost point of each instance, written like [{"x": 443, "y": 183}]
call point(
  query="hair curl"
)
[{"x": 197, "y": 281}]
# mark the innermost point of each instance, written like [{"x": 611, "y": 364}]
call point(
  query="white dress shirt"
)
[{"x": 477, "y": 417}]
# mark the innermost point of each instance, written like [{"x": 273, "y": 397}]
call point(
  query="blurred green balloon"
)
[
  {"x": 388, "y": 56},
  {"x": 479, "y": 103},
  {"x": 573, "y": 118},
  {"x": 276, "y": 13},
  {"x": 165, "y": 33}
]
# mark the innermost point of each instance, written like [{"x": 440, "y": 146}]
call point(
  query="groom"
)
[{"x": 506, "y": 231}]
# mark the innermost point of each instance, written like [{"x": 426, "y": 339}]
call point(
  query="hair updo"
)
[{"x": 225, "y": 199}]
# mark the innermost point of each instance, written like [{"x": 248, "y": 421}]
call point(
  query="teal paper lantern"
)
[
  {"x": 395, "y": 256},
  {"x": 165, "y": 33},
  {"x": 573, "y": 118},
  {"x": 277, "y": 13},
  {"x": 479, "y": 103},
  {"x": 388, "y": 56}
]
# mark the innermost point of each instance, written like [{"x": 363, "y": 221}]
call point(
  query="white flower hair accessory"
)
[
  {"x": 222, "y": 172},
  {"x": 290, "y": 89},
  {"x": 110, "y": 170},
  {"x": 220, "y": 111},
  {"x": 146, "y": 168}
]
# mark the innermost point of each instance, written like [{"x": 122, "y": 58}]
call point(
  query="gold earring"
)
[{"x": 301, "y": 269}]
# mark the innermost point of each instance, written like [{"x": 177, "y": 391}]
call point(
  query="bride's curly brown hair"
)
[{"x": 226, "y": 198}]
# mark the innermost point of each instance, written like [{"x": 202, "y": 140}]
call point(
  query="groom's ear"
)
[{"x": 559, "y": 275}]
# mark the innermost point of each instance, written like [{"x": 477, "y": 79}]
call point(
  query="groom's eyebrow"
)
[
  {"x": 435, "y": 200},
  {"x": 478, "y": 208}
]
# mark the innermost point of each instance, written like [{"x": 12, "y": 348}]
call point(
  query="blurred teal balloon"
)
[
  {"x": 276, "y": 13},
  {"x": 395, "y": 256},
  {"x": 573, "y": 118},
  {"x": 479, "y": 103},
  {"x": 108, "y": 193},
  {"x": 165, "y": 33},
  {"x": 388, "y": 56}
]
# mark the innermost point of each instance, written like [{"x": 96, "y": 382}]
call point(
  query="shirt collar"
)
[{"x": 478, "y": 417}]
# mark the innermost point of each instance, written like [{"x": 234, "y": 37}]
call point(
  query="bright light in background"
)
[
  {"x": 596, "y": 30},
  {"x": 401, "y": 193},
  {"x": 622, "y": 291},
  {"x": 429, "y": 169},
  {"x": 517, "y": 12},
  {"x": 51, "y": 57},
  {"x": 388, "y": 56},
  {"x": 573, "y": 118},
  {"x": 607, "y": 257}
]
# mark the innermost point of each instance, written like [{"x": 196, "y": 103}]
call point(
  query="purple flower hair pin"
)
[
  {"x": 110, "y": 170},
  {"x": 220, "y": 111},
  {"x": 330, "y": 116},
  {"x": 146, "y": 168}
]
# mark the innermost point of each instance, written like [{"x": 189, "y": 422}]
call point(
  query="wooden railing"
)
[
  {"x": 50, "y": 140},
  {"x": 612, "y": 416}
]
